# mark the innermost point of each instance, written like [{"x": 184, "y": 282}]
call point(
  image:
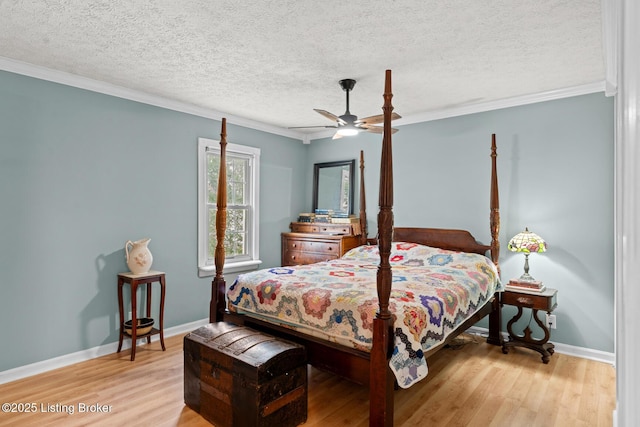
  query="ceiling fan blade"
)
[
  {"x": 330, "y": 116},
  {"x": 376, "y": 129},
  {"x": 372, "y": 120},
  {"x": 311, "y": 127},
  {"x": 336, "y": 136}
]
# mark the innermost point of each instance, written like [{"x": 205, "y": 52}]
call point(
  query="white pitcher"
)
[{"x": 139, "y": 258}]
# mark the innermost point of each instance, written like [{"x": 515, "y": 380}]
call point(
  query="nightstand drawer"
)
[{"x": 544, "y": 301}]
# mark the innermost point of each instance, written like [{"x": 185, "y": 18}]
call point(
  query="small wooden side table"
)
[
  {"x": 547, "y": 301},
  {"x": 134, "y": 280}
]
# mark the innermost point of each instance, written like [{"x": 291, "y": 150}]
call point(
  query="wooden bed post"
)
[
  {"x": 218, "y": 285},
  {"x": 495, "y": 318},
  {"x": 381, "y": 378},
  {"x": 494, "y": 216},
  {"x": 363, "y": 204}
]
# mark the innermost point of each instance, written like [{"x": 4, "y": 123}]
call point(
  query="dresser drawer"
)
[
  {"x": 313, "y": 246},
  {"x": 335, "y": 229},
  {"x": 301, "y": 258},
  {"x": 325, "y": 228},
  {"x": 304, "y": 228}
]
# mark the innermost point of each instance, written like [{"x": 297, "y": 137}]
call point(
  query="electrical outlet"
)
[{"x": 551, "y": 321}]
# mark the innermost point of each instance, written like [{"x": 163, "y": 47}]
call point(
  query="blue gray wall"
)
[
  {"x": 555, "y": 167},
  {"x": 81, "y": 173}
]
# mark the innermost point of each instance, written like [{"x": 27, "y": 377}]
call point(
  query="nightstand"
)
[
  {"x": 134, "y": 280},
  {"x": 547, "y": 301}
]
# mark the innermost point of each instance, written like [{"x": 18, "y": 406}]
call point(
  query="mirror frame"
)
[{"x": 316, "y": 173}]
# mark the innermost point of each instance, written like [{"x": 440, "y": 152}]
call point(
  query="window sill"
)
[{"x": 236, "y": 267}]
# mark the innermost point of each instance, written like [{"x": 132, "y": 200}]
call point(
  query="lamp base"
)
[{"x": 526, "y": 277}]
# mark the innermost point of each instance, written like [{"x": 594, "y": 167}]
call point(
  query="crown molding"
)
[
  {"x": 481, "y": 107},
  {"x": 516, "y": 101},
  {"x": 68, "y": 79}
]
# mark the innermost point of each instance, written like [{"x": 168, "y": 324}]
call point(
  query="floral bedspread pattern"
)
[{"x": 433, "y": 291}]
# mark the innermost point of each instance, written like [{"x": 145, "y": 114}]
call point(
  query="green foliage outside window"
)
[{"x": 238, "y": 209}]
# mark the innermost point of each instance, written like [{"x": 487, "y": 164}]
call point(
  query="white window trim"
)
[{"x": 205, "y": 269}]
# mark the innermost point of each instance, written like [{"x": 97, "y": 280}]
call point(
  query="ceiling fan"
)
[{"x": 349, "y": 124}]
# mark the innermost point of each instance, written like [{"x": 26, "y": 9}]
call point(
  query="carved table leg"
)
[{"x": 542, "y": 346}]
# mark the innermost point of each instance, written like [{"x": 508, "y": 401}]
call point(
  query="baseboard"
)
[
  {"x": 570, "y": 350},
  {"x": 102, "y": 350},
  {"x": 80, "y": 356}
]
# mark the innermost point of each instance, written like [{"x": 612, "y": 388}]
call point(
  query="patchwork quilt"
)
[{"x": 433, "y": 292}]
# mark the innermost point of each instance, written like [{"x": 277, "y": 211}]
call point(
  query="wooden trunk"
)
[{"x": 237, "y": 376}]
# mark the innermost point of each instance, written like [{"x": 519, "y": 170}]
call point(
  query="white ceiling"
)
[{"x": 272, "y": 62}]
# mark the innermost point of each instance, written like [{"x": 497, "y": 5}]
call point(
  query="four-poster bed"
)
[{"x": 370, "y": 364}]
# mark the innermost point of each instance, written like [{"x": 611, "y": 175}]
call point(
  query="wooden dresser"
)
[{"x": 316, "y": 242}]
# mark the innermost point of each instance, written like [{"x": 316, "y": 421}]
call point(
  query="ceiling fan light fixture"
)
[{"x": 348, "y": 131}]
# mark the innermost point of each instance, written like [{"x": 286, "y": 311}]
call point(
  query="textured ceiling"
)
[{"x": 274, "y": 61}]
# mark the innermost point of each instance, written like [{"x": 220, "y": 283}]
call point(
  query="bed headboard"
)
[{"x": 454, "y": 240}]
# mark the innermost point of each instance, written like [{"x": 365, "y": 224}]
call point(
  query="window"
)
[{"x": 241, "y": 236}]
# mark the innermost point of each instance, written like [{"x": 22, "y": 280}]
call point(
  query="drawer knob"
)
[{"x": 525, "y": 301}]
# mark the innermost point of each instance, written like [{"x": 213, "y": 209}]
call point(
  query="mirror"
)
[{"x": 333, "y": 186}]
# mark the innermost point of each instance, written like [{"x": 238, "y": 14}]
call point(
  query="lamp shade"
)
[{"x": 527, "y": 242}]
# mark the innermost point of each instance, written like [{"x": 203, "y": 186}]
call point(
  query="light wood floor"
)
[{"x": 473, "y": 385}]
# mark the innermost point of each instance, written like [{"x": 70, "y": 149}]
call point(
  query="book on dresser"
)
[
  {"x": 527, "y": 286},
  {"x": 341, "y": 215},
  {"x": 306, "y": 217},
  {"x": 324, "y": 212},
  {"x": 345, "y": 220},
  {"x": 323, "y": 218}
]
